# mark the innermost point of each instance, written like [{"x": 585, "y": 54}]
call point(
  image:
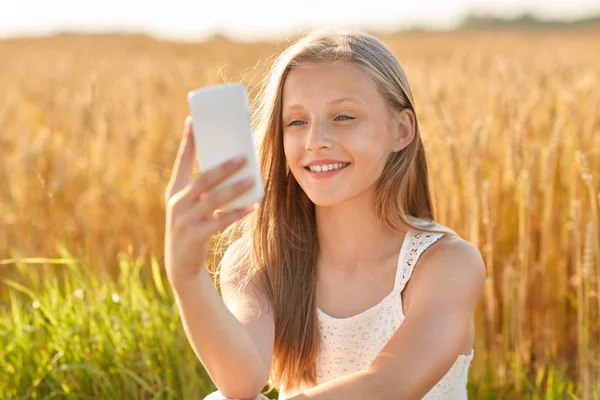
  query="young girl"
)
[{"x": 339, "y": 284}]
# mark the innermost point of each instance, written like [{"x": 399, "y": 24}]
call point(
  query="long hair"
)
[{"x": 277, "y": 243}]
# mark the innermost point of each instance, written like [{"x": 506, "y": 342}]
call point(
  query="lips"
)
[
  {"x": 326, "y": 174},
  {"x": 334, "y": 169},
  {"x": 325, "y": 162}
]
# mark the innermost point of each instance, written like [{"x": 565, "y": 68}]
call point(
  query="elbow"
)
[
  {"x": 239, "y": 392},
  {"x": 245, "y": 388}
]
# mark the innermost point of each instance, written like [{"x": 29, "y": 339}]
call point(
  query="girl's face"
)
[{"x": 332, "y": 113}]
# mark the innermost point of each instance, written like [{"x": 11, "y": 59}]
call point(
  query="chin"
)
[
  {"x": 324, "y": 200},
  {"x": 321, "y": 203}
]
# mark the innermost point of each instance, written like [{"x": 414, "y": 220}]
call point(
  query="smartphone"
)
[{"x": 221, "y": 124}]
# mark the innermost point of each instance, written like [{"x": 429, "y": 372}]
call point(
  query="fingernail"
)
[{"x": 239, "y": 159}]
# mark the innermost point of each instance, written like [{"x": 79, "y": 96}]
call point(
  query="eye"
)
[
  {"x": 343, "y": 118},
  {"x": 296, "y": 122}
]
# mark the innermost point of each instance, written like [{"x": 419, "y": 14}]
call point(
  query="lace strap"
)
[{"x": 417, "y": 243}]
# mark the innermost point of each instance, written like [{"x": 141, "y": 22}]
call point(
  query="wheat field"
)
[{"x": 89, "y": 127}]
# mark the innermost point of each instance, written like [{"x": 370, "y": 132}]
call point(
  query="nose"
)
[{"x": 318, "y": 138}]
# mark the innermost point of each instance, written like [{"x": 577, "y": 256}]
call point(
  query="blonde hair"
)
[{"x": 277, "y": 243}]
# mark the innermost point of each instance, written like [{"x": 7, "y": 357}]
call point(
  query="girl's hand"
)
[{"x": 191, "y": 204}]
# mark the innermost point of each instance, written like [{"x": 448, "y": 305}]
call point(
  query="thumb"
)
[{"x": 181, "y": 175}]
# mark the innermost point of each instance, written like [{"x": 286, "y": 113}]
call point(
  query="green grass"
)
[{"x": 67, "y": 333}]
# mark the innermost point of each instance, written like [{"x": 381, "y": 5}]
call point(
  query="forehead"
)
[{"x": 326, "y": 81}]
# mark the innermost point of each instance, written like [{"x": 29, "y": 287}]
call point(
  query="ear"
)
[{"x": 405, "y": 127}]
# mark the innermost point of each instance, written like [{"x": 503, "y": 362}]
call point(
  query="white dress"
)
[{"x": 351, "y": 344}]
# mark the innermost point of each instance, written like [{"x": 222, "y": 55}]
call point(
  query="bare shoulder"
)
[
  {"x": 233, "y": 269},
  {"x": 240, "y": 289},
  {"x": 454, "y": 250},
  {"x": 451, "y": 268}
]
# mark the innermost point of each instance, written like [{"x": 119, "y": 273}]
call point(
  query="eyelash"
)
[{"x": 348, "y": 118}]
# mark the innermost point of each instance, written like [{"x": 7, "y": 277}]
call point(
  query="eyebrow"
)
[{"x": 332, "y": 102}]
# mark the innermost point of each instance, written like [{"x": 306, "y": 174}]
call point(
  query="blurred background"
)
[{"x": 92, "y": 104}]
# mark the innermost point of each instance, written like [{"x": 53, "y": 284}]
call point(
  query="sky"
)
[{"x": 258, "y": 19}]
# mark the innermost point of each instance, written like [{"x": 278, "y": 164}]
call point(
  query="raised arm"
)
[
  {"x": 223, "y": 339},
  {"x": 249, "y": 307},
  {"x": 232, "y": 338}
]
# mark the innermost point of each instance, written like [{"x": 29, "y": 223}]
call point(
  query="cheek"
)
[
  {"x": 287, "y": 147},
  {"x": 372, "y": 146},
  {"x": 369, "y": 160},
  {"x": 292, "y": 147}
]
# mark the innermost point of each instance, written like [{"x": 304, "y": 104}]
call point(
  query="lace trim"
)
[{"x": 419, "y": 242}]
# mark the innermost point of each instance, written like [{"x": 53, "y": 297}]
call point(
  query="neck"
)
[{"x": 351, "y": 236}]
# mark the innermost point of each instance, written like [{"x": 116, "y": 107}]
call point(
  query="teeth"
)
[{"x": 325, "y": 168}]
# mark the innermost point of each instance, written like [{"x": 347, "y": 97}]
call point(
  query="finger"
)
[
  {"x": 182, "y": 169},
  {"x": 212, "y": 224},
  {"x": 213, "y": 177},
  {"x": 219, "y": 212},
  {"x": 228, "y": 218},
  {"x": 218, "y": 198}
]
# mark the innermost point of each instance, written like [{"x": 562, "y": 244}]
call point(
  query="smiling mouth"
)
[
  {"x": 325, "y": 174},
  {"x": 343, "y": 165}
]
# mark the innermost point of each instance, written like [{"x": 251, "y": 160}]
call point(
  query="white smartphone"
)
[{"x": 222, "y": 130}]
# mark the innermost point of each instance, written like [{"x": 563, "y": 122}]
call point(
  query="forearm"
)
[
  {"x": 219, "y": 340},
  {"x": 361, "y": 385}
]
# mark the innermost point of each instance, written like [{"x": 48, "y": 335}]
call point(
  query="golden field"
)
[{"x": 89, "y": 127}]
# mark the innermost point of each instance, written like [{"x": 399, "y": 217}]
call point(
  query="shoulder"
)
[
  {"x": 234, "y": 271},
  {"x": 232, "y": 267},
  {"x": 456, "y": 253},
  {"x": 239, "y": 284},
  {"x": 450, "y": 268}
]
